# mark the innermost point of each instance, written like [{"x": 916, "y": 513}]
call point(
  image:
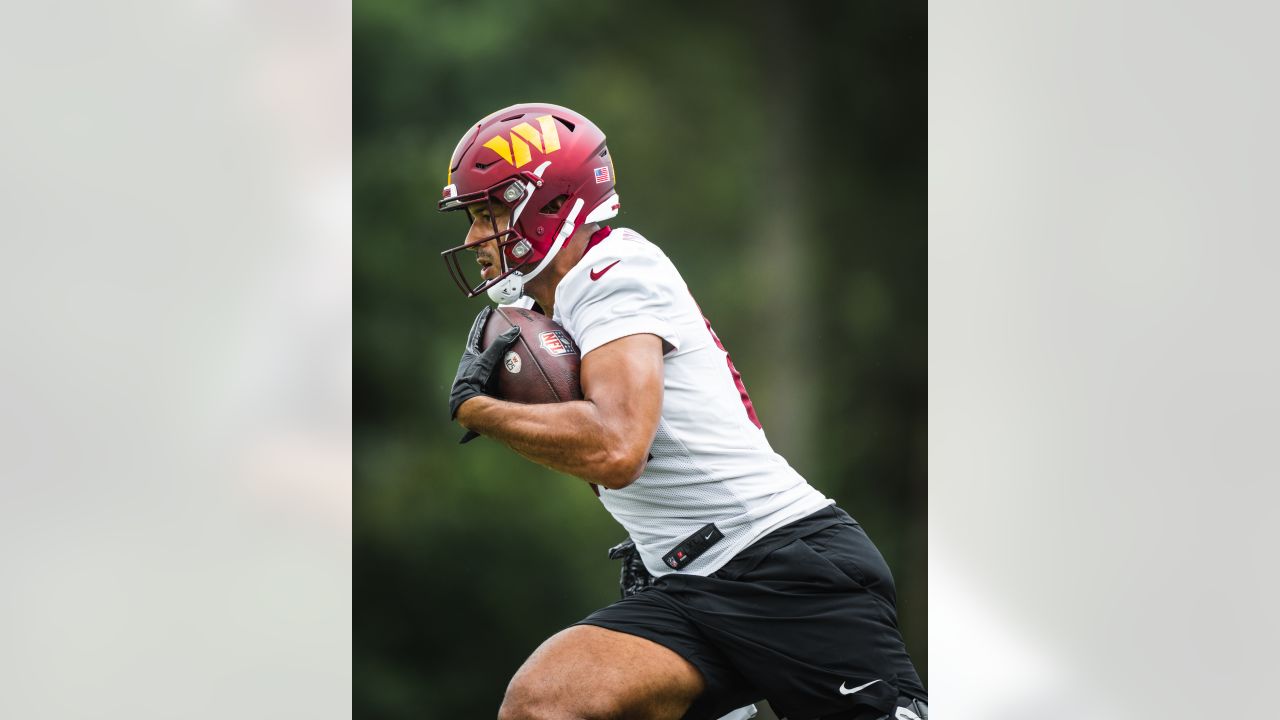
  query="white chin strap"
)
[{"x": 510, "y": 288}]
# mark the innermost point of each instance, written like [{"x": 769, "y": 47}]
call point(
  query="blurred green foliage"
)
[{"x": 778, "y": 156}]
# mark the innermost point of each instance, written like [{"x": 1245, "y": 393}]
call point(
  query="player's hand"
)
[
  {"x": 635, "y": 577},
  {"x": 475, "y": 369}
]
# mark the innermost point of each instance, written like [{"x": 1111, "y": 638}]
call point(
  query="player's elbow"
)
[{"x": 621, "y": 468}]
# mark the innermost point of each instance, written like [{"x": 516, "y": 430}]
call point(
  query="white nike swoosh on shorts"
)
[{"x": 846, "y": 691}]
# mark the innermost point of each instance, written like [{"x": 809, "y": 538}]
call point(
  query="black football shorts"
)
[{"x": 803, "y": 618}]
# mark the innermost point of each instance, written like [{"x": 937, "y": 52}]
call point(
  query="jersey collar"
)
[{"x": 597, "y": 237}]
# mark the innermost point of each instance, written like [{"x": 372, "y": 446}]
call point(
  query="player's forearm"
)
[{"x": 572, "y": 437}]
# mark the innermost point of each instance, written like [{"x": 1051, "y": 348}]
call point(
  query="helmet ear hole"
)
[{"x": 554, "y": 206}]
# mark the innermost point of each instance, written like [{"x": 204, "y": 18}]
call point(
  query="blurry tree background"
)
[{"x": 776, "y": 152}]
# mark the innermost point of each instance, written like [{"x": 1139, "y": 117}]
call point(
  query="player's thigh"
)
[{"x": 590, "y": 672}]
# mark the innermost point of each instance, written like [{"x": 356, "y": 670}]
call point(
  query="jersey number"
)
[{"x": 737, "y": 377}]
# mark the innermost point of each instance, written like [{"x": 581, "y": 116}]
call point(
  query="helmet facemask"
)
[
  {"x": 520, "y": 259},
  {"x": 515, "y": 252}
]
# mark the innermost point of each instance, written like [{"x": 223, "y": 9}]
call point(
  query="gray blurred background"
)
[
  {"x": 777, "y": 155},
  {"x": 175, "y": 367},
  {"x": 1102, "y": 359}
]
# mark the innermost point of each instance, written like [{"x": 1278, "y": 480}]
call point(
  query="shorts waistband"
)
[{"x": 746, "y": 560}]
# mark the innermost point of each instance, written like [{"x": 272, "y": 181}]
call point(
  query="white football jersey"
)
[{"x": 710, "y": 462}]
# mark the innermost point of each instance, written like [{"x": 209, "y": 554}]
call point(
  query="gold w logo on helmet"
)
[{"x": 523, "y": 135}]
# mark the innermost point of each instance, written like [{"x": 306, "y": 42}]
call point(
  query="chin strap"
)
[{"x": 510, "y": 288}]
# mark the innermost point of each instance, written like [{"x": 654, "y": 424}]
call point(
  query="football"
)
[{"x": 543, "y": 364}]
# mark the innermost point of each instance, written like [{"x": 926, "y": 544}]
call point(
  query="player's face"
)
[{"x": 488, "y": 219}]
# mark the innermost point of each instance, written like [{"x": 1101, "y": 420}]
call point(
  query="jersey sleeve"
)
[{"x": 620, "y": 294}]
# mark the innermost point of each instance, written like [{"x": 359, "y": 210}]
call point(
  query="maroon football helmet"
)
[{"x": 550, "y": 167}]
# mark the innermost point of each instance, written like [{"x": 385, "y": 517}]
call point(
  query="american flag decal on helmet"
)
[{"x": 602, "y": 175}]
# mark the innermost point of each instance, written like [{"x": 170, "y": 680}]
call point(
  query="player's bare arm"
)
[{"x": 604, "y": 438}]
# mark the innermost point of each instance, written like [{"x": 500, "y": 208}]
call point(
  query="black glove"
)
[
  {"x": 635, "y": 576},
  {"x": 475, "y": 369}
]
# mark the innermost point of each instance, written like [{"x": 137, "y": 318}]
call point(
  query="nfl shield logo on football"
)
[{"x": 556, "y": 342}]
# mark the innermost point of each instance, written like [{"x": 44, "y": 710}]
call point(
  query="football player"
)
[{"x": 760, "y": 588}]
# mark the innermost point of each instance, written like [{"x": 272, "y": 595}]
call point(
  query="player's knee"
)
[
  {"x": 525, "y": 701},
  {"x": 515, "y": 707}
]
